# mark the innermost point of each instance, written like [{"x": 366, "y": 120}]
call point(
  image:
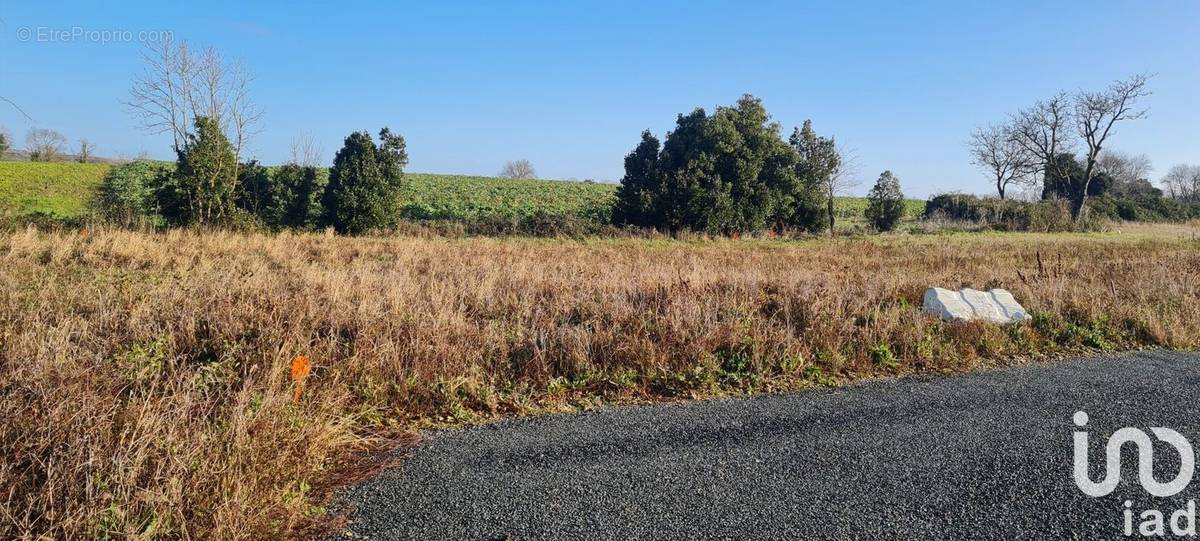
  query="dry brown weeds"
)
[{"x": 145, "y": 385}]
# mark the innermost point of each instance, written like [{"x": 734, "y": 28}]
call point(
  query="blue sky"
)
[{"x": 570, "y": 85}]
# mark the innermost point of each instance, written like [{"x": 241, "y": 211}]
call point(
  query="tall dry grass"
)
[{"x": 145, "y": 384}]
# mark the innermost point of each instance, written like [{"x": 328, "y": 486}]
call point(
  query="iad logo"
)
[
  {"x": 1153, "y": 522},
  {"x": 1145, "y": 448}
]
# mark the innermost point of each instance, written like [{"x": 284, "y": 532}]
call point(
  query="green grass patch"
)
[{"x": 61, "y": 190}]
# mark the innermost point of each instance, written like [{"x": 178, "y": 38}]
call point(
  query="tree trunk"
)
[
  {"x": 1077, "y": 207},
  {"x": 831, "y": 218}
]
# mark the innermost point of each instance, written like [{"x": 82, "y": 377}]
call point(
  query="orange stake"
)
[{"x": 300, "y": 370}]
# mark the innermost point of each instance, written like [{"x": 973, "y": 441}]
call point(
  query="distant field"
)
[
  {"x": 850, "y": 209},
  {"x": 455, "y": 197},
  {"x": 62, "y": 190},
  {"x": 65, "y": 190}
]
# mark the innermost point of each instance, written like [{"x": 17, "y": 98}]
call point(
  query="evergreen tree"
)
[
  {"x": 885, "y": 203},
  {"x": 816, "y": 168},
  {"x": 638, "y": 197},
  {"x": 363, "y": 192},
  {"x": 729, "y": 172},
  {"x": 298, "y": 193},
  {"x": 204, "y": 186}
]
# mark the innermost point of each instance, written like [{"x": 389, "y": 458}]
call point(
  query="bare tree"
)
[
  {"x": 5, "y": 141},
  {"x": 518, "y": 169},
  {"x": 44, "y": 145},
  {"x": 841, "y": 179},
  {"x": 997, "y": 150},
  {"x": 306, "y": 151},
  {"x": 180, "y": 84},
  {"x": 1182, "y": 182},
  {"x": 1095, "y": 114},
  {"x": 85, "y": 151},
  {"x": 1043, "y": 131},
  {"x": 1125, "y": 169}
]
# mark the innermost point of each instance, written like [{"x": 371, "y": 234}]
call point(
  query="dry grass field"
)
[{"x": 145, "y": 389}]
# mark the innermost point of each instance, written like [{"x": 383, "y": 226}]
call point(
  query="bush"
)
[
  {"x": 885, "y": 203},
  {"x": 127, "y": 194},
  {"x": 1051, "y": 215},
  {"x": 297, "y": 193},
  {"x": 1143, "y": 207}
]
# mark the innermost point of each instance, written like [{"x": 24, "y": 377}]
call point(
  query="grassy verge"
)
[{"x": 144, "y": 379}]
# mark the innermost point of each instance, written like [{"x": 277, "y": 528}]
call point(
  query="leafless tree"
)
[
  {"x": 1182, "y": 182},
  {"x": 5, "y": 141},
  {"x": 44, "y": 145},
  {"x": 1124, "y": 168},
  {"x": 997, "y": 150},
  {"x": 1095, "y": 115},
  {"x": 180, "y": 84},
  {"x": 1043, "y": 131},
  {"x": 306, "y": 151},
  {"x": 518, "y": 169},
  {"x": 1055, "y": 126},
  {"x": 85, "y": 151},
  {"x": 842, "y": 178}
]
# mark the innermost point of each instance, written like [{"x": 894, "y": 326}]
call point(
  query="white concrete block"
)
[{"x": 997, "y": 305}]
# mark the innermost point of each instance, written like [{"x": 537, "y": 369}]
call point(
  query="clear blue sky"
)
[{"x": 570, "y": 85}]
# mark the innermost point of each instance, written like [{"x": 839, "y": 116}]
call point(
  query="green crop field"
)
[
  {"x": 65, "y": 190},
  {"x": 61, "y": 190},
  {"x": 850, "y": 209},
  {"x": 454, "y": 197}
]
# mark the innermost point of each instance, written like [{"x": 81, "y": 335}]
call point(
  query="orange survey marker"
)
[{"x": 300, "y": 370}]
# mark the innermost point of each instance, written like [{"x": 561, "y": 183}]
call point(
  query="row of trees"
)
[
  {"x": 731, "y": 172},
  {"x": 209, "y": 187},
  {"x": 1182, "y": 182},
  {"x": 1039, "y": 143},
  {"x": 46, "y": 145}
]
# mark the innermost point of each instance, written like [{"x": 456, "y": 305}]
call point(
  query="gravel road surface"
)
[{"x": 986, "y": 455}]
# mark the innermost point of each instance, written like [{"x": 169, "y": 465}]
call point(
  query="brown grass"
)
[{"x": 145, "y": 385}]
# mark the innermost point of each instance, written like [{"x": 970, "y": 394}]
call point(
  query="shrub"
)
[
  {"x": 298, "y": 189},
  {"x": 127, "y": 194},
  {"x": 1005, "y": 214},
  {"x": 885, "y": 203},
  {"x": 365, "y": 182}
]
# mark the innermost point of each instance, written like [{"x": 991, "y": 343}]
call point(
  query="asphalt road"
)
[{"x": 985, "y": 455}]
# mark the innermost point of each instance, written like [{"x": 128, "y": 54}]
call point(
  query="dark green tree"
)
[
  {"x": 364, "y": 183},
  {"x": 299, "y": 190},
  {"x": 729, "y": 172},
  {"x": 1064, "y": 179},
  {"x": 255, "y": 191},
  {"x": 204, "y": 187},
  {"x": 817, "y": 168},
  {"x": 885, "y": 203},
  {"x": 638, "y": 197}
]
